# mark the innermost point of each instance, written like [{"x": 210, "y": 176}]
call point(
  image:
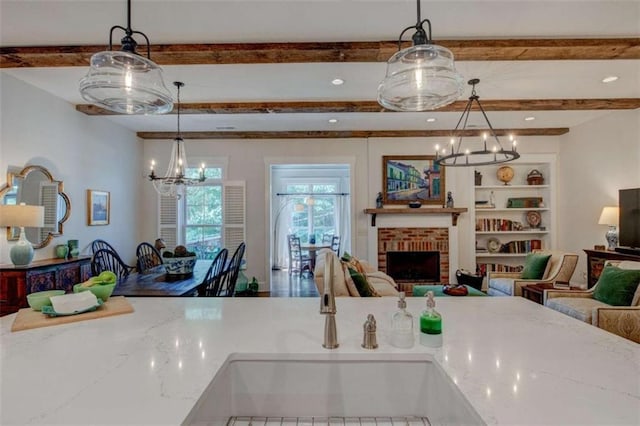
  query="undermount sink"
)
[{"x": 342, "y": 386}]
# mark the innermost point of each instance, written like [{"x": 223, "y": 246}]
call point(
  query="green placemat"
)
[{"x": 421, "y": 290}]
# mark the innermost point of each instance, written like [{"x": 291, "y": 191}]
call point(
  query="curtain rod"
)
[{"x": 280, "y": 194}]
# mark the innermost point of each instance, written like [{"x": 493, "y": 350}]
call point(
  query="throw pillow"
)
[
  {"x": 534, "y": 266},
  {"x": 616, "y": 286},
  {"x": 359, "y": 279},
  {"x": 353, "y": 262}
]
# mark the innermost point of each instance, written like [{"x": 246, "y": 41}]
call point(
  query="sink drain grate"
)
[{"x": 329, "y": 421}]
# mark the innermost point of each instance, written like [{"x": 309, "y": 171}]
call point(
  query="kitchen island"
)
[{"x": 516, "y": 362}]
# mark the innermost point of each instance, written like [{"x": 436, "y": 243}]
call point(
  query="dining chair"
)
[
  {"x": 108, "y": 260},
  {"x": 229, "y": 283},
  {"x": 335, "y": 244},
  {"x": 101, "y": 244},
  {"x": 326, "y": 239},
  {"x": 212, "y": 283},
  {"x": 148, "y": 257},
  {"x": 298, "y": 261}
]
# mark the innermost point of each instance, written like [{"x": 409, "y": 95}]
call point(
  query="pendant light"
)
[
  {"x": 175, "y": 179},
  {"x": 124, "y": 81},
  {"x": 422, "y": 77},
  {"x": 480, "y": 155}
]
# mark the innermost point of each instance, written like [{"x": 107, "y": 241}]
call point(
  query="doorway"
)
[{"x": 311, "y": 202}]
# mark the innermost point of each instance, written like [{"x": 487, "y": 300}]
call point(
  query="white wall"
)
[
  {"x": 84, "y": 152},
  {"x": 596, "y": 160}
]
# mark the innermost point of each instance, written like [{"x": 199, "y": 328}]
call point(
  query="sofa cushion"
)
[
  {"x": 534, "y": 266},
  {"x": 502, "y": 285},
  {"x": 580, "y": 308},
  {"x": 617, "y": 286},
  {"x": 361, "y": 283}
]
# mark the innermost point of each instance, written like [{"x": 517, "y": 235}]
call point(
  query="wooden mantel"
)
[{"x": 454, "y": 212}]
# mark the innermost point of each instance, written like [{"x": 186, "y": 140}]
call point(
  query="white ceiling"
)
[{"x": 67, "y": 22}]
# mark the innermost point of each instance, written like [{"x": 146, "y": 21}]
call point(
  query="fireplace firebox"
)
[{"x": 414, "y": 266}]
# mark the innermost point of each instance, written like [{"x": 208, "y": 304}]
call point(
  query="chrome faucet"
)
[{"x": 328, "y": 305}]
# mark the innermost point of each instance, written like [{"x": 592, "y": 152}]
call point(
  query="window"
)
[
  {"x": 319, "y": 214},
  {"x": 208, "y": 216}
]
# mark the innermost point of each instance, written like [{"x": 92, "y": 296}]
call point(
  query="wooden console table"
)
[
  {"x": 596, "y": 259},
  {"x": 535, "y": 292},
  {"x": 49, "y": 274},
  {"x": 454, "y": 212}
]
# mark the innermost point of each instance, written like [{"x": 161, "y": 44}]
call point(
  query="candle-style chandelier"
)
[
  {"x": 458, "y": 156},
  {"x": 175, "y": 179}
]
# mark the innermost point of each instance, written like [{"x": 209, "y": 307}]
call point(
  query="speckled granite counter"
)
[{"x": 515, "y": 361}]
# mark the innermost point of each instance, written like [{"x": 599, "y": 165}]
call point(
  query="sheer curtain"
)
[{"x": 344, "y": 222}]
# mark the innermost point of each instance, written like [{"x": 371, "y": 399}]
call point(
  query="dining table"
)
[
  {"x": 156, "y": 282},
  {"x": 313, "y": 249}
]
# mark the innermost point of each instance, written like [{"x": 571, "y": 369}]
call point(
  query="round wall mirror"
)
[{"x": 34, "y": 185}]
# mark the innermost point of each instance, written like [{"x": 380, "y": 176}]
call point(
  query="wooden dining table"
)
[
  {"x": 156, "y": 282},
  {"x": 312, "y": 249}
]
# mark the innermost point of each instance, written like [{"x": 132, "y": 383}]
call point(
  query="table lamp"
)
[
  {"x": 609, "y": 216},
  {"x": 23, "y": 216}
]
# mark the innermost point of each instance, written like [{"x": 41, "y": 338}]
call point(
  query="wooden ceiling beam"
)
[
  {"x": 311, "y": 107},
  {"x": 372, "y": 51},
  {"x": 331, "y": 134}
]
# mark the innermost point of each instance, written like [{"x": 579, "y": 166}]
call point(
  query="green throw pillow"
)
[
  {"x": 616, "y": 286},
  {"x": 346, "y": 257},
  {"x": 534, "y": 266},
  {"x": 362, "y": 285}
]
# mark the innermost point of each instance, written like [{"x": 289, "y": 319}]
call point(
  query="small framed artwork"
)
[
  {"x": 98, "y": 207},
  {"x": 411, "y": 178}
]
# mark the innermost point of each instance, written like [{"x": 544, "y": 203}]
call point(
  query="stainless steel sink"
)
[{"x": 331, "y": 389}]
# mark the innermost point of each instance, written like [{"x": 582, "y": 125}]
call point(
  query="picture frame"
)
[
  {"x": 98, "y": 207},
  {"x": 410, "y": 178}
]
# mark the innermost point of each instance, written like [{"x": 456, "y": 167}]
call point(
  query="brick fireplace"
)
[{"x": 414, "y": 239}]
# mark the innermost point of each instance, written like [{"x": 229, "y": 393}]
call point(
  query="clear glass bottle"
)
[
  {"x": 430, "y": 320},
  {"x": 402, "y": 325}
]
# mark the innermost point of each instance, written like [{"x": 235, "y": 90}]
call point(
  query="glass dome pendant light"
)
[
  {"x": 175, "y": 179},
  {"x": 475, "y": 153},
  {"x": 421, "y": 77},
  {"x": 124, "y": 81}
]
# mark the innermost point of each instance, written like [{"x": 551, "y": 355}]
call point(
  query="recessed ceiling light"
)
[
  {"x": 333, "y": 120},
  {"x": 431, "y": 120},
  {"x": 337, "y": 82},
  {"x": 610, "y": 79},
  {"x": 530, "y": 118}
]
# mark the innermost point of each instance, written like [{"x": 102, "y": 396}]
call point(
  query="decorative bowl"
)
[
  {"x": 42, "y": 298},
  {"x": 179, "y": 265},
  {"x": 101, "y": 291},
  {"x": 415, "y": 204}
]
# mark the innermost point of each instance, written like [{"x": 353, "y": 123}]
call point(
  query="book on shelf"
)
[
  {"x": 521, "y": 246},
  {"x": 483, "y": 268}
]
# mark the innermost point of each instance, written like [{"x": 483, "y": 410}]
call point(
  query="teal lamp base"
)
[{"x": 21, "y": 253}]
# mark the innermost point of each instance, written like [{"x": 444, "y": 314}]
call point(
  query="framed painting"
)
[
  {"x": 407, "y": 178},
  {"x": 98, "y": 207}
]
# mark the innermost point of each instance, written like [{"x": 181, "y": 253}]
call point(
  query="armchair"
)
[
  {"x": 560, "y": 267},
  {"x": 621, "y": 320}
]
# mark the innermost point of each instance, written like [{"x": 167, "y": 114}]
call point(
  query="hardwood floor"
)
[{"x": 285, "y": 285}]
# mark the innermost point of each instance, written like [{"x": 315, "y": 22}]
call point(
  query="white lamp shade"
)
[
  {"x": 22, "y": 216},
  {"x": 609, "y": 216}
]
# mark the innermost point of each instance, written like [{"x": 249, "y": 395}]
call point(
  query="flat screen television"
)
[{"x": 629, "y": 226}]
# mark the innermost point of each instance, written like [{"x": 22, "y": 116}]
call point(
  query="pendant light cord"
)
[{"x": 420, "y": 36}]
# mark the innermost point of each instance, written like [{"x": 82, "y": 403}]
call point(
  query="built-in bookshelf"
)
[{"x": 515, "y": 218}]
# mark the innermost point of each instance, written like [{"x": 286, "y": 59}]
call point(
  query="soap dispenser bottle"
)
[
  {"x": 402, "y": 325},
  {"x": 430, "y": 320}
]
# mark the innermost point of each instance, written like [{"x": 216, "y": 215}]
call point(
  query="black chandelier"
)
[
  {"x": 175, "y": 178},
  {"x": 459, "y": 157}
]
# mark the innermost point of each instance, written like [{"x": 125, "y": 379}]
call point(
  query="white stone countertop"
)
[{"x": 515, "y": 361}]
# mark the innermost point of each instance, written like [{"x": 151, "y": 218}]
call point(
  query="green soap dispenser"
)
[{"x": 430, "y": 319}]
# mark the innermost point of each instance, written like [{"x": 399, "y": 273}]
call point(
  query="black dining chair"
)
[
  {"x": 298, "y": 261},
  {"x": 229, "y": 284},
  {"x": 335, "y": 244},
  {"x": 148, "y": 257},
  {"x": 212, "y": 284},
  {"x": 108, "y": 260},
  {"x": 101, "y": 244}
]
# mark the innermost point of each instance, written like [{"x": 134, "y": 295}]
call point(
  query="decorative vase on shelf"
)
[{"x": 62, "y": 250}]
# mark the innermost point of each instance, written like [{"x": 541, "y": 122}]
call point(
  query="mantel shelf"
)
[{"x": 454, "y": 212}]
